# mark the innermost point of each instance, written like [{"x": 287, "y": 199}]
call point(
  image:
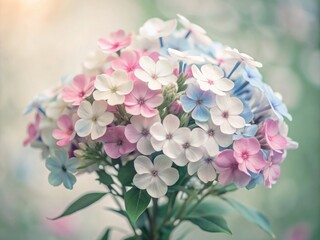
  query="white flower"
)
[
  {"x": 226, "y": 114},
  {"x": 191, "y": 142},
  {"x": 56, "y": 108},
  {"x": 139, "y": 132},
  {"x": 144, "y": 44},
  {"x": 185, "y": 56},
  {"x": 94, "y": 62},
  {"x": 113, "y": 88},
  {"x": 205, "y": 167},
  {"x": 155, "y": 177},
  {"x": 93, "y": 119},
  {"x": 197, "y": 32},
  {"x": 242, "y": 57},
  {"x": 212, "y": 78},
  {"x": 155, "y": 74},
  {"x": 163, "y": 136},
  {"x": 156, "y": 28},
  {"x": 215, "y": 136}
]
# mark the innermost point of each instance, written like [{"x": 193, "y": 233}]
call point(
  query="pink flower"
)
[
  {"x": 142, "y": 100},
  {"x": 65, "y": 132},
  {"x": 270, "y": 137},
  {"x": 139, "y": 132},
  {"x": 271, "y": 171},
  {"x": 228, "y": 167},
  {"x": 33, "y": 131},
  {"x": 247, "y": 153},
  {"x": 115, "y": 142},
  {"x": 128, "y": 61},
  {"x": 81, "y": 88},
  {"x": 114, "y": 42}
]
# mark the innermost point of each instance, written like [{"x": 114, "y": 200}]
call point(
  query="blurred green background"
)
[{"x": 41, "y": 40}]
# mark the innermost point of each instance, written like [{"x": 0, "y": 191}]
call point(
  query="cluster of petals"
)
[
  {"x": 156, "y": 74},
  {"x": 80, "y": 88},
  {"x": 114, "y": 42},
  {"x": 155, "y": 177},
  {"x": 113, "y": 88},
  {"x": 94, "y": 119},
  {"x": 142, "y": 100}
]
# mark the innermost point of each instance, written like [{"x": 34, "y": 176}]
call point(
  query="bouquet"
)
[{"x": 168, "y": 120}]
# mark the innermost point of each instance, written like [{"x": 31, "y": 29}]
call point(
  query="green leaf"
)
[
  {"x": 83, "y": 202},
  {"x": 106, "y": 234},
  {"x": 126, "y": 174},
  {"x": 104, "y": 178},
  {"x": 211, "y": 207},
  {"x": 210, "y": 223},
  {"x": 251, "y": 215},
  {"x": 136, "y": 202},
  {"x": 121, "y": 212}
]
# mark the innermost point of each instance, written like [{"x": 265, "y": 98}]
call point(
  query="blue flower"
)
[
  {"x": 246, "y": 132},
  {"x": 62, "y": 169},
  {"x": 256, "y": 178},
  {"x": 197, "y": 101},
  {"x": 278, "y": 107},
  {"x": 177, "y": 43},
  {"x": 252, "y": 76}
]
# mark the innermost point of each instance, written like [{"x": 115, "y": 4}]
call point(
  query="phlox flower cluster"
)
[{"x": 168, "y": 98}]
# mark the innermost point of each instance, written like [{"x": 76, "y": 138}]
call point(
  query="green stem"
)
[{"x": 153, "y": 225}]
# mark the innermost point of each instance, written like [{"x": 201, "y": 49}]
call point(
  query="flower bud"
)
[{"x": 176, "y": 107}]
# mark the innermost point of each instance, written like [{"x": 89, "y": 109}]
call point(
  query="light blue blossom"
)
[
  {"x": 177, "y": 43},
  {"x": 278, "y": 107},
  {"x": 252, "y": 76},
  {"x": 246, "y": 132},
  {"x": 36, "y": 104},
  {"x": 197, "y": 101},
  {"x": 256, "y": 178},
  {"x": 62, "y": 168}
]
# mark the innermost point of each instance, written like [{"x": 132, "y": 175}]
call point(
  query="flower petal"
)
[
  {"x": 85, "y": 110},
  {"x": 157, "y": 188},
  {"x": 170, "y": 176},
  {"x": 68, "y": 180},
  {"x": 188, "y": 104},
  {"x": 162, "y": 162},
  {"x": 143, "y": 165},
  {"x": 97, "y": 131},
  {"x": 207, "y": 173},
  {"x": 144, "y": 146},
  {"x": 198, "y": 137},
  {"x": 194, "y": 154},
  {"x": 142, "y": 181},
  {"x": 83, "y": 127},
  {"x": 55, "y": 178}
]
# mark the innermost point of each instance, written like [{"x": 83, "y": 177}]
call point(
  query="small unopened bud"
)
[{"x": 175, "y": 107}]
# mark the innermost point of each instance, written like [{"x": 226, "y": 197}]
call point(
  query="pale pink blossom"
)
[
  {"x": 33, "y": 131},
  {"x": 115, "y": 142},
  {"x": 227, "y": 166},
  {"x": 272, "y": 171},
  {"x": 116, "y": 41},
  {"x": 128, "y": 61},
  {"x": 80, "y": 88},
  {"x": 65, "y": 132},
  {"x": 142, "y": 100},
  {"x": 248, "y": 154},
  {"x": 139, "y": 132},
  {"x": 270, "y": 137}
]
